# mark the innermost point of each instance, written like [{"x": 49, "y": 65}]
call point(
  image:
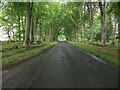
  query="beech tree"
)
[
  {"x": 29, "y": 7},
  {"x": 103, "y": 22},
  {"x": 87, "y": 22}
]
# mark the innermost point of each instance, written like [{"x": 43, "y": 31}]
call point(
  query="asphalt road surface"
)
[{"x": 62, "y": 66}]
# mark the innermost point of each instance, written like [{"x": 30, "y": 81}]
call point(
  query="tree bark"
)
[
  {"x": 83, "y": 30},
  {"x": 90, "y": 10},
  {"x": 35, "y": 28},
  {"x": 19, "y": 27},
  {"x": 119, "y": 34},
  {"x": 114, "y": 32},
  {"x": 32, "y": 32},
  {"x": 41, "y": 29},
  {"x": 28, "y": 23},
  {"x": 32, "y": 29},
  {"x": 23, "y": 28},
  {"x": 83, "y": 33},
  {"x": 103, "y": 23}
]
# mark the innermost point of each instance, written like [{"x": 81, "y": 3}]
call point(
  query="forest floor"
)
[
  {"x": 105, "y": 53},
  {"x": 12, "y": 56},
  {"x": 62, "y": 66}
]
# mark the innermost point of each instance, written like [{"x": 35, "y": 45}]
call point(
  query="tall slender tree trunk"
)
[
  {"x": 35, "y": 28},
  {"x": 23, "y": 27},
  {"x": 110, "y": 28},
  {"x": 119, "y": 35},
  {"x": 118, "y": 39},
  {"x": 90, "y": 12},
  {"x": 83, "y": 33},
  {"x": 13, "y": 34},
  {"x": 77, "y": 35},
  {"x": 50, "y": 35},
  {"x": 32, "y": 32},
  {"x": 19, "y": 27},
  {"x": 91, "y": 22},
  {"x": 114, "y": 32},
  {"x": 83, "y": 30},
  {"x": 41, "y": 30},
  {"x": 32, "y": 29},
  {"x": 103, "y": 23},
  {"x": 29, "y": 7}
]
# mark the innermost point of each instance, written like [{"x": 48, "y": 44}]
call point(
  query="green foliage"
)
[{"x": 50, "y": 17}]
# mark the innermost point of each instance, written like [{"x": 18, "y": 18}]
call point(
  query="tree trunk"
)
[
  {"x": 28, "y": 23},
  {"x": 103, "y": 23},
  {"x": 83, "y": 34},
  {"x": 19, "y": 27},
  {"x": 91, "y": 22},
  {"x": 114, "y": 32},
  {"x": 41, "y": 29},
  {"x": 35, "y": 28},
  {"x": 32, "y": 29},
  {"x": 32, "y": 32},
  {"x": 118, "y": 39},
  {"x": 119, "y": 34},
  {"x": 75, "y": 36},
  {"x": 23, "y": 27},
  {"x": 109, "y": 21},
  {"x": 83, "y": 30}
]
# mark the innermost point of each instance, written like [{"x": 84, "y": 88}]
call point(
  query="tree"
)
[
  {"x": 103, "y": 23},
  {"x": 90, "y": 10},
  {"x": 29, "y": 7},
  {"x": 46, "y": 21}
]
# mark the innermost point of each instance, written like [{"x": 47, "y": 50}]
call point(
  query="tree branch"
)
[{"x": 73, "y": 21}]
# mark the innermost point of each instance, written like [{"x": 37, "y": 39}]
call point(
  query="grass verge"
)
[
  {"x": 8, "y": 53},
  {"x": 21, "y": 56},
  {"x": 105, "y": 53}
]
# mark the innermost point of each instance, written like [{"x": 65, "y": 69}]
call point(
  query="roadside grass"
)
[
  {"x": 15, "y": 56},
  {"x": 10, "y": 45},
  {"x": 20, "y": 50},
  {"x": 105, "y": 53}
]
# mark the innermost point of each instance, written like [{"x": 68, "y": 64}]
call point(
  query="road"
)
[{"x": 62, "y": 66}]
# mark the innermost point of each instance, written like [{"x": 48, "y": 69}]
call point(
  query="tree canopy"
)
[{"x": 91, "y": 22}]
